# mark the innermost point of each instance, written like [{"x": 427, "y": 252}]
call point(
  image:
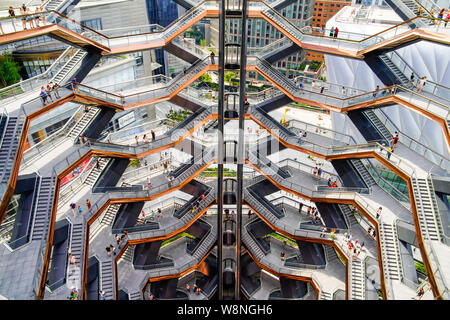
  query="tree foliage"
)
[
  {"x": 205, "y": 78},
  {"x": 9, "y": 70},
  {"x": 229, "y": 75}
]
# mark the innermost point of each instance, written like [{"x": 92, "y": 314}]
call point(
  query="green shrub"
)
[
  {"x": 9, "y": 70},
  {"x": 420, "y": 267},
  {"x": 134, "y": 163}
]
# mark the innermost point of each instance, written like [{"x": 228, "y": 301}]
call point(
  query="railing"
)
[
  {"x": 303, "y": 265},
  {"x": 17, "y": 243},
  {"x": 75, "y": 183},
  {"x": 7, "y": 226},
  {"x": 175, "y": 201},
  {"x": 376, "y": 147},
  {"x": 259, "y": 113},
  {"x": 179, "y": 214},
  {"x": 80, "y": 152},
  {"x": 346, "y": 100},
  {"x": 359, "y": 41},
  {"x": 39, "y": 80},
  {"x": 397, "y": 161},
  {"x": 324, "y": 188},
  {"x": 146, "y": 169},
  {"x": 158, "y": 265},
  {"x": 431, "y": 87},
  {"x": 263, "y": 162},
  {"x": 314, "y": 231},
  {"x": 191, "y": 250},
  {"x": 421, "y": 149},
  {"x": 275, "y": 45},
  {"x": 70, "y": 86},
  {"x": 307, "y": 168},
  {"x": 53, "y": 140},
  {"x": 38, "y": 271},
  {"x": 187, "y": 123},
  {"x": 429, "y": 6},
  {"x": 137, "y": 228},
  {"x": 337, "y": 137},
  {"x": 317, "y": 84},
  {"x": 58, "y": 282},
  {"x": 346, "y": 39},
  {"x": 388, "y": 187},
  {"x": 261, "y": 243},
  {"x": 157, "y": 80},
  {"x": 192, "y": 47},
  {"x": 122, "y": 100},
  {"x": 139, "y": 129},
  {"x": 438, "y": 275}
]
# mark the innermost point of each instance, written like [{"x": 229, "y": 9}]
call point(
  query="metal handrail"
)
[
  {"x": 195, "y": 9},
  {"x": 445, "y": 293},
  {"x": 340, "y": 102},
  {"x": 289, "y": 160},
  {"x": 20, "y": 242},
  {"x": 377, "y": 36},
  {"x": 443, "y": 163},
  {"x": 43, "y": 75},
  {"x": 394, "y": 53},
  {"x": 55, "y": 134}
]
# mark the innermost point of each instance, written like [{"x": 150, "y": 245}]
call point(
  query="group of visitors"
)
[
  {"x": 370, "y": 232},
  {"x": 72, "y": 258},
  {"x": 153, "y": 214},
  {"x": 298, "y": 81},
  {"x": 314, "y": 214},
  {"x": 110, "y": 249},
  {"x": 317, "y": 172},
  {"x": 334, "y": 32},
  {"x": 229, "y": 216},
  {"x": 354, "y": 246},
  {"x": 440, "y": 15},
  {"x": 83, "y": 140},
  {"x": 170, "y": 180},
  {"x": 74, "y": 293},
  {"x": 120, "y": 239},
  {"x": 310, "y": 211},
  {"x": 196, "y": 206},
  {"x": 391, "y": 148},
  {"x": 145, "y": 138},
  {"x": 302, "y": 134},
  {"x": 420, "y": 84},
  {"x": 77, "y": 208},
  {"x": 46, "y": 92},
  {"x": 331, "y": 183},
  {"x": 193, "y": 289},
  {"x": 33, "y": 17}
]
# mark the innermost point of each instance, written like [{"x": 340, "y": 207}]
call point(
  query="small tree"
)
[
  {"x": 229, "y": 76},
  {"x": 205, "y": 78},
  {"x": 9, "y": 70}
]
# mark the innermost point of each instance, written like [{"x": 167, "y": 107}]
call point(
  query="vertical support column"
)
[
  {"x": 241, "y": 146},
  {"x": 220, "y": 146}
]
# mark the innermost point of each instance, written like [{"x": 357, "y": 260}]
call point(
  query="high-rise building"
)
[
  {"x": 323, "y": 11},
  {"x": 261, "y": 33},
  {"x": 161, "y": 12}
]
